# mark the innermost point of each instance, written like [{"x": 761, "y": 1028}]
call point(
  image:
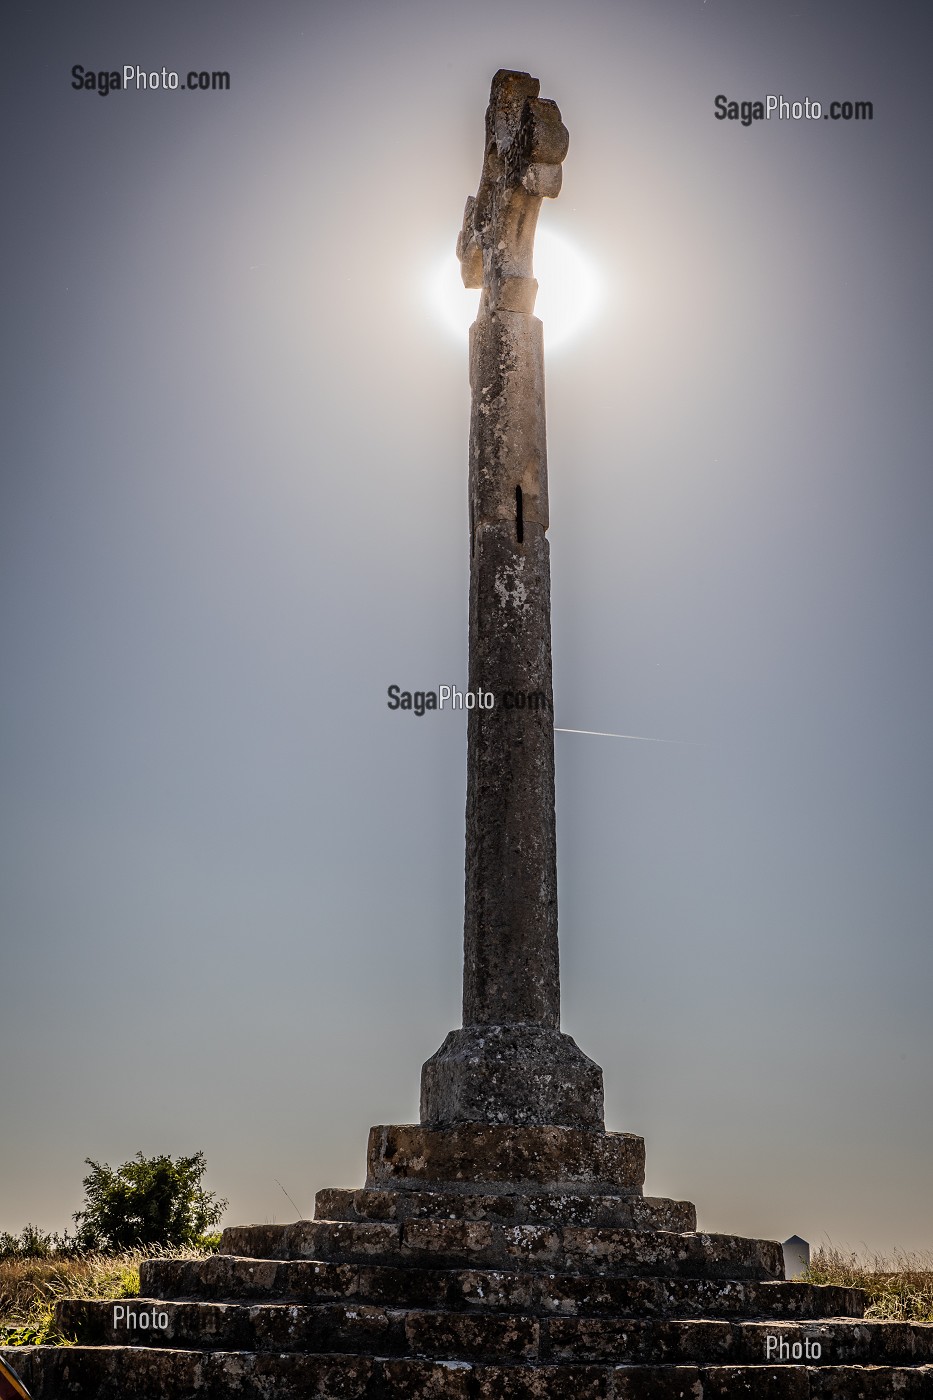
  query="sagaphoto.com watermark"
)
[
  {"x": 419, "y": 702},
  {"x": 780, "y": 108},
  {"x": 133, "y": 78}
]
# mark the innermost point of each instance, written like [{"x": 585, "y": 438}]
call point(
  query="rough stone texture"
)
[
  {"x": 487, "y": 1159},
  {"x": 511, "y": 960},
  {"x": 630, "y": 1211},
  {"x": 452, "y": 1334},
  {"x": 515, "y": 1074},
  {"x": 224, "y": 1277},
  {"x": 119, "y": 1373},
  {"x": 459, "y": 1244},
  {"x": 510, "y": 928}
]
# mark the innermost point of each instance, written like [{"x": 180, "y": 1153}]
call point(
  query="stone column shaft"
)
[
  {"x": 510, "y": 928},
  {"x": 510, "y": 1064}
]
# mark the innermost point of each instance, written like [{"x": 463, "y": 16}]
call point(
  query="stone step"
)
[
  {"x": 486, "y": 1159},
  {"x": 629, "y": 1211},
  {"x": 226, "y": 1278},
  {"x": 471, "y": 1336},
  {"x": 652, "y": 1341},
  {"x": 572, "y": 1249},
  {"x": 156, "y": 1373}
]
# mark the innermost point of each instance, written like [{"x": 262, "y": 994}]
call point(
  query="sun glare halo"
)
[{"x": 567, "y": 291}]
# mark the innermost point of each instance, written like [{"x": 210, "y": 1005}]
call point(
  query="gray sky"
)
[{"x": 233, "y": 511}]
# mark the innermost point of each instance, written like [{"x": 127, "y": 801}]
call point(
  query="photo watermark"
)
[
  {"x": 103, "y": 81},
  {"x": 785, "y": 109},
  {"x": 418, "y": 702},
  {"x": 143, "y": 1320},
  {"x": 779, "y": 1349}
]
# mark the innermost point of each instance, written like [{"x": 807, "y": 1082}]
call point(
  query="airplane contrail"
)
[{"x": 601, "y": 734}]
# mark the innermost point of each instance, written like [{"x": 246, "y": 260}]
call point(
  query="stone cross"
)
[{"x": 510, "y": 1063}]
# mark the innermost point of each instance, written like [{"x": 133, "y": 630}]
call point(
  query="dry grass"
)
[
  {"x": 899, "y": 1289},
  {"x": 30, "y": 1288}
]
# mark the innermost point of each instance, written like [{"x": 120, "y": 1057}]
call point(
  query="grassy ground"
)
[
  {"x": 899, "y": 1289},
  {"x": 29, "y": 1289}
]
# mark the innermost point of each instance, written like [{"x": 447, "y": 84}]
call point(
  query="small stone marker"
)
[{"x": 796, "y": 1256}]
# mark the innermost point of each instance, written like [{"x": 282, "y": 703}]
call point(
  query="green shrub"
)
[
  {"x": 147, "y": 1201},
  {"x": 33, "y": 1243}
]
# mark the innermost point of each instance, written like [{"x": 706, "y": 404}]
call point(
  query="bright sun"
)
[{"x": 566, "y": 291}]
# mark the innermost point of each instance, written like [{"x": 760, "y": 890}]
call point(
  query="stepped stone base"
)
[
  {"x": 231, "y": 1278},
  {"x": 496, "y": 1159},
  {"x": 634, "y": 1211},
  {"x": 462, "y": 1244},
  {"x": 483, "y": 1262},
  {"x": 55, "y": 1373}
]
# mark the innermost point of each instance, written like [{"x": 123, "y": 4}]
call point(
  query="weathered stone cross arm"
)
[{"x": 526, "y": 141}]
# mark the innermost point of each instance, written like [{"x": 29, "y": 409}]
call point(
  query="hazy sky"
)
[{"x": 233, "y": 511}]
